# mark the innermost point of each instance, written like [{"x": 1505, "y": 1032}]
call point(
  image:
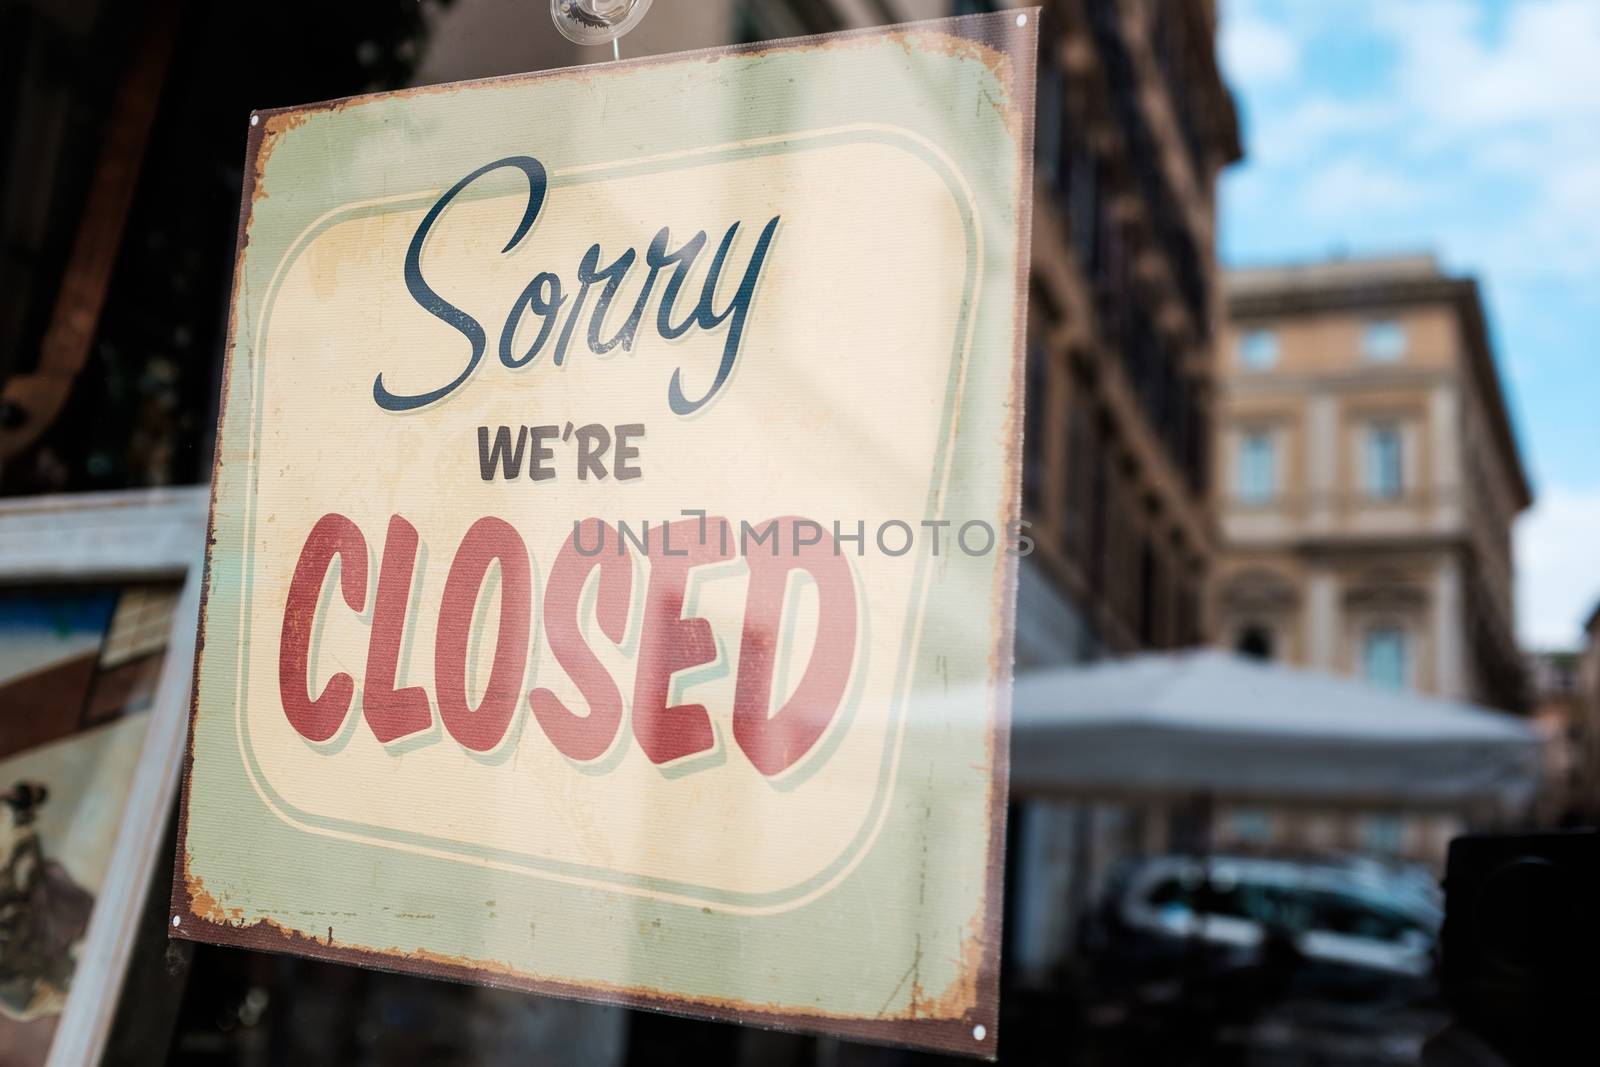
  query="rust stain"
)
[
  {"x": 643, "y": 996},
  {"x": 976, "y": 990},
  {"x": 960, "y": 997},
  {"x": 273, "y": 128},
  {"x": 964, "y": 48},
  {"x": 229, "y": 926},
  {"x": 203, "y": 905}
]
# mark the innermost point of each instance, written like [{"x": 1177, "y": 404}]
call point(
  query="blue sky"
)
[{"x": 1471, "y": 129}]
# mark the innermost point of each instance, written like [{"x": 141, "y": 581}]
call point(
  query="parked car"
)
[{"x": 1348, "y": 928}]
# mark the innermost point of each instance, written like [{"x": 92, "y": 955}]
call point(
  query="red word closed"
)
[{"x": 773, "y": 740}]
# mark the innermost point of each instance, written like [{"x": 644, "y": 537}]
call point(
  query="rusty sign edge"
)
[{"x": 1004, "y": 36}]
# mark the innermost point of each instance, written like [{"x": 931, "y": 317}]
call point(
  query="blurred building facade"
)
[
  {"x": 1587, "y": 800},
  {"x": 1134, "y": 126},
  {"x": 1369, "y": 481},
  {"x": 1558, "y": 715}
]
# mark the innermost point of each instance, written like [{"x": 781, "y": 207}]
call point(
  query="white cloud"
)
[
  {"x": 1304, "y": 129},
  {"x": 1558, "y": 567},
  {"x": 1515, "y": 100},
  {"x": 1522, "y": 103},
  {"x": 1353, "y": 187},
  {"x": 1540, "y": 70},
  {"x": 1256, "y": 52}
]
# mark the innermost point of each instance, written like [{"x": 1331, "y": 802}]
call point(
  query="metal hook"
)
[{"x": 597, "y": 21}]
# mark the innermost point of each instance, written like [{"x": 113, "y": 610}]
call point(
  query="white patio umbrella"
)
[{"x": 1218, "y": 725}]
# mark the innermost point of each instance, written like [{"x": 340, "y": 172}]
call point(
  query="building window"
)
[
  {"x": 1383, "y": 342},
  {"x": 1083, "y": 205},
  {"x": 1384, "y": 657},
  {"x": 1037, "y": 396},
  {"x": 1258, "y": 467},
  {"x": 1188, "y": 615},
  {"x": 1385, "y": 463},
  {"x": 1098, "y": 563},
  {"x": 1250, "y": 826},
  {"x": 1258, "y": 350},
  {"x": 1384, "y": 834},
  {"x": 1048, "y": 119},
  {"x": 1076, "y": 461},
  {"x": 1255, "y": 642},
  {"x": 1152, "y": 588}
]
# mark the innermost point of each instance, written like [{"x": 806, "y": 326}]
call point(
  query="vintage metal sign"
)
[{"x": 614, "y": 534}]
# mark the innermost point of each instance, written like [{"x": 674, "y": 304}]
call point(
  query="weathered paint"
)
[{"x": 903, "y": 944}]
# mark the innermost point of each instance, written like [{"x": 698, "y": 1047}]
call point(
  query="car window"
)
[
  {"x": 1342, "y": 914},
  {"x": 1171, "y": 896},
  {"x": 1259, "y": 902}
]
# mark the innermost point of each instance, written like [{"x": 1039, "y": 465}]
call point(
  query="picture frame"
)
[{"x": 149, "y": 542}]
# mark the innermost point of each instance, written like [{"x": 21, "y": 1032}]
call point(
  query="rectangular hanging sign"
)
[{"x": 614, "y": 534}]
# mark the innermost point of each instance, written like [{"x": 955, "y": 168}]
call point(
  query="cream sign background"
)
[{"x": 874, "y": 380}]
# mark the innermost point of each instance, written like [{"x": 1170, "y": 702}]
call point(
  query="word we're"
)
[{"x": 590, "y": 443}]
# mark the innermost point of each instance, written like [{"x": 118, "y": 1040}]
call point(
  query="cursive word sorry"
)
[{"x": 558, "y": 307}]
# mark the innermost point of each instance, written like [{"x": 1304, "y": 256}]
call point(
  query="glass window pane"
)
[
  {"x": 1258, "y": 468},
  {"x": 1258, "y": 349},
  {"x": 1255, "y": 641},
  {"x": 1251, "y": 826},
  {"x": 1385, "y": 834},
  {"x": 1383, "y": 342},
  {"x": 1385, "y": 468},
  {"x": 1383, "y": 657}
]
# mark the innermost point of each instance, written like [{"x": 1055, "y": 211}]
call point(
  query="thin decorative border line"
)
[{"x": 643, "y": 885}]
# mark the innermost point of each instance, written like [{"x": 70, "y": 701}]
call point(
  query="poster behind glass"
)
[{"x": 78, "y": 673}]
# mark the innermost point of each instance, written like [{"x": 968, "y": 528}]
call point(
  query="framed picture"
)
[{"x": 99, "y": 595}]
